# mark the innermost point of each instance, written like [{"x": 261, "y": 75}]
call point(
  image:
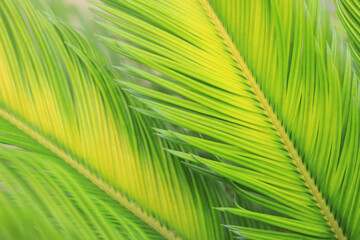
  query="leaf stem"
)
[
  {"x": 329, "y": 217},
  {"x": 136, "y": 210}
]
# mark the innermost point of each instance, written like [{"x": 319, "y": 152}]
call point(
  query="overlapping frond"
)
[
  {"x": 57, "y": 88},
  {"x": 42, "y": 197},
  {"x": 273, "y": 95}
]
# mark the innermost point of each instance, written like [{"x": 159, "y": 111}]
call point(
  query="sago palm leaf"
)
[
  {"x": 271, "y": 91},
  {"x": 57, "y": 88},
  {"x": 43, "y": 197}
]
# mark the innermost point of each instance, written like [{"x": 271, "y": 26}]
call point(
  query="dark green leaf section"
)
[{"x": 42, "y": 197}]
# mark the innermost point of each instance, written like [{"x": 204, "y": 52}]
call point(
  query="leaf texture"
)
[
  {"x": 42, "y": 197},
  {"x": 57, "y": 88},
  {"x": 273, "y": 92}
]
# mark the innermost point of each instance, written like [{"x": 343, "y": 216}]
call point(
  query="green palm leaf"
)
[
  {"x": 274, "y": 95},
  {"x": 42, "y": 197},
  {"x": 57, "y": 88}
]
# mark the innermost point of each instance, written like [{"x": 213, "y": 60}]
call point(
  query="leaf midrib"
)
[
  {"x": 136, "y": 210},
  {"x": 329, "y": 217}
]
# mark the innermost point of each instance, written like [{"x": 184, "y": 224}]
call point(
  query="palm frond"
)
[
  {"x": 53, "y": 199},
  {"x": 57, "y": 88},
  {"x": 275, "y": 97}
]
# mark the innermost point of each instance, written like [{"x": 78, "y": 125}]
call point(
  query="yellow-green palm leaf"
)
[
  {"x": 58, "y": 88},
  {"x": 43, "y": 197},
  {"x": 273, "y": 94}
]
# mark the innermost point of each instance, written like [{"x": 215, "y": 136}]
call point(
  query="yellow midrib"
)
[
  {"x": 85, "y": 172},
  {"x": 276, "y": 123}
]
